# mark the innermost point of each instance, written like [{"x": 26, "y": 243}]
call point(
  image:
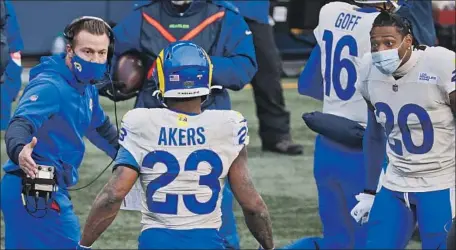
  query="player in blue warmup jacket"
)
[
  {"x": 182, "y": 162},
  {"x": 10, "y": 88},
  {"x": 58, "y": 108}
]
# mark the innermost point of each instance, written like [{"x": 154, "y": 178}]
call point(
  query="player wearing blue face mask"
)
[
  {"x": 58, "y": 108},
  {"x": 388, "y": 61}
]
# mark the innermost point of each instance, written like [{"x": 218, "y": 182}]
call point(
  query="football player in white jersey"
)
[
  {"x": 339, "y": 168},
  {"x": 411, "y": 90},
  {"x": 183, "y": 157}
]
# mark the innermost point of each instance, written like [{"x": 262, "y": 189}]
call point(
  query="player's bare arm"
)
[
  {"x": 255, "y": 211},
  {"x": 453, "y": 102},
  {"x": 107, "y": 204}
]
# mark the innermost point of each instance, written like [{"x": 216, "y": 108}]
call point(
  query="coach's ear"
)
[{"x": 69, "y": 50}]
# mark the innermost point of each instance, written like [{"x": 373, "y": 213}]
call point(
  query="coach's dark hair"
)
[
  {"x": 385, "y": 19},
  {"x": 93, "y": 26}
]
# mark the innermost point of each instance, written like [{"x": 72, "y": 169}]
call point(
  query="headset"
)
[{"x": 69, "y": 34}]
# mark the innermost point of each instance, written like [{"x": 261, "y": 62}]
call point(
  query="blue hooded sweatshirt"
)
[
  {"x": 257, "y": 10},
  {"x": 59, "y": 111},
  {"x": 233, "y": 57}
]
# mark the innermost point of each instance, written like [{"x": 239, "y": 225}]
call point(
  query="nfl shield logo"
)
[
  {"x": 395, "y": 88},
  {"x": 189, "y": 84},
  {"x": 33, "y": 98}
]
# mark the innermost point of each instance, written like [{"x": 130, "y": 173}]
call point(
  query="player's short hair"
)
[
  {"x": 403, "y": 25},
  {"x": 385, "y": 19},
  {"x": 93, "y": 26}
]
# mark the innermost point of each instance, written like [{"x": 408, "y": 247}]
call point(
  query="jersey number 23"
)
[{"x": 170, "y": 205}]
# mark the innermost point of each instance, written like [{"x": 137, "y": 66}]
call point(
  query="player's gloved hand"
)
[
  {"x": 361, "y": 211},
  {"x": 81, "y": 247}
]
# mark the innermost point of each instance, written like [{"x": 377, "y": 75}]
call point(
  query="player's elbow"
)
[
  {"x": 113, "y": 198},
  {"x": 114, "y": 195}
]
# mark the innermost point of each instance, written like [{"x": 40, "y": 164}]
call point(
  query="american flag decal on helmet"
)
[{"x": 173, "y": 78}]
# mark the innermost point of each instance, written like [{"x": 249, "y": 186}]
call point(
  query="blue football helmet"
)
[
  {"x": 396, "y": 3},
  {"x": 183, "y": 70}
]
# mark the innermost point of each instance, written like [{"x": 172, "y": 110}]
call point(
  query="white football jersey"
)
[
  {"x": 415, "y": 112},
  {"x": 343, "y": 34},
  {"x": 184, "y": 160}
]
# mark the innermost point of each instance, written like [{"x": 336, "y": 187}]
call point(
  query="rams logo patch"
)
[{"x": 77, "y": 66}]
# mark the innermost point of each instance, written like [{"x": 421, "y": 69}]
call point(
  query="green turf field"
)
[{"x": 286, "y": 183}]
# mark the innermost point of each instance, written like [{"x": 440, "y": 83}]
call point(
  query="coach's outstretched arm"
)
[
  {"x": 107, "y": 203},
  {"x": 255, "y": 211}
]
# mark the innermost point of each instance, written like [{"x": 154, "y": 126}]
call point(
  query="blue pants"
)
[
  {"x": 8, "y": 92},
  {"x": 339, "y": 175},
  {"x": 180, "y": 239},
  {"x": 56, "y": 230},
  {"x": 228, "y": 230},
  {"x": 394, "y": 215}
]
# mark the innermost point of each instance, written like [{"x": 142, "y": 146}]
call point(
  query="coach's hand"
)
[
  {"x": 26, "y": 162},
  {"x": 361, "y": 211}
]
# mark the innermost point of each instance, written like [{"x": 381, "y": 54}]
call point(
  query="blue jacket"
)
[
  {"x": 13, "y": 71},
  {"x": 257, "y": 10},
  {"x": 60, "y": 111},
  {"x": 233, "y": 57},
  {"x": 3, "y": 40},
  {"x": 419, "y": 13},
  {"x": 13, "y": 31}
]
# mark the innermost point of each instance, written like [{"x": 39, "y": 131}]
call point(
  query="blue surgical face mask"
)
[
  {"x": 87, "y": 72},
  {"x": 387, "y": 61}
]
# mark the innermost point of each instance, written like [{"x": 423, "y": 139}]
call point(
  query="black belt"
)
[{"x": 19, "y": 173}]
